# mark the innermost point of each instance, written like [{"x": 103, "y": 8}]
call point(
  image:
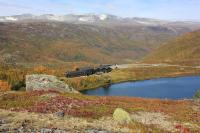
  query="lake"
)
[{"x": 170, "y": 88}]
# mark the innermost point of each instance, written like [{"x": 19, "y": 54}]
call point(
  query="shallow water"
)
[{"x": 170, "y": 88}]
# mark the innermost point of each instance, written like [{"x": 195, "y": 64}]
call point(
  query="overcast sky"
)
[{"x": 161, "y": 9}]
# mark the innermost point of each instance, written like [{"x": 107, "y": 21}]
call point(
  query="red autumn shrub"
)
[{"x": 182, "y": 129}]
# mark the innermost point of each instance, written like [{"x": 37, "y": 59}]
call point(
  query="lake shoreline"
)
[
  {"x": 133, "y": 80},
  {"x": 129, "y": 75}
]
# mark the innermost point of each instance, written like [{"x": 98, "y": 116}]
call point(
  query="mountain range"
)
[
  {"x": 58, "y": 18},
  {"x": 91, "y": 18},
  {"x": 92, "y": 38}
]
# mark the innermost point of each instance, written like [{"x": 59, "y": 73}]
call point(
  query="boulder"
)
[
  {"x": 121, "y": 116},
  {"x": 46, "y": 82}
]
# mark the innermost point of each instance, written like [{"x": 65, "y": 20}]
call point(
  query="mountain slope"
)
[
  {"x": 184, "y": 49},
  {"x": 108, "y": 39}
]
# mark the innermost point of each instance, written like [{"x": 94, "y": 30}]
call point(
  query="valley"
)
[{"x": 36, "y": 95}]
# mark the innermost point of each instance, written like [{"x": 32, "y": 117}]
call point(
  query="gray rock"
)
[
  {"x": 2, "y": 121},
  {"x": 60, "y": 114},
  {"x": 61, "y": 131},
  {"x": 96, "y": 131},
  {"x": 46, "y": 82},
  {"x": 46, "y": 130}
]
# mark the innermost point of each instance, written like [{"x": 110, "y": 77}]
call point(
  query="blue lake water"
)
[{"x": 170, "y": 88}]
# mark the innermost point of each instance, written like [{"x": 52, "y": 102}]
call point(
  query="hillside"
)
[
  {"x": 184, "y": 49},
  {"x": 109, "y": 40}
]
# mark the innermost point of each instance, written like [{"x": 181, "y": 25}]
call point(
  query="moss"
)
[{"x": 122, "y": 116}]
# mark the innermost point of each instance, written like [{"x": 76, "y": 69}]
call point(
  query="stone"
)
[
  {"x": 46, "y": 82},
  {"x": 121, "y": 116},
  {"x": 60, "y": 114},
  {"x": 47, "y": 130},
  {"x": 96, "y": 131}
]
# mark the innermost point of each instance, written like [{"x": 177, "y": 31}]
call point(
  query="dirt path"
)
[{"x": 123, "y": 66}]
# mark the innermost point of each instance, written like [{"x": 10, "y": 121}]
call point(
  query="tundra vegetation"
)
[{"x": 178, "y": 116}]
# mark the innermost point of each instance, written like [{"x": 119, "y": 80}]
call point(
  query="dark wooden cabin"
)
[
  {"x": 81, "y": 72},
  {"x": 104, "y": 68},
  {"x": 88, "y": 71}
]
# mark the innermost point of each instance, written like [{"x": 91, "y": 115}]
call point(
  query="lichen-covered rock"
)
[
  {"x": 121, "y": 116},
  {"x": 46, "y": 82}
]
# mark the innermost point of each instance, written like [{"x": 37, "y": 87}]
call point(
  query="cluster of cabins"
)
[{"x": 89, "y": 71}]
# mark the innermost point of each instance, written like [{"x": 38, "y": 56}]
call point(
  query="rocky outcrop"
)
[{"x": 46, "y": 82}]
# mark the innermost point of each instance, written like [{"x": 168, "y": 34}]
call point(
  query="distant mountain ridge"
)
[
  {"x": 92, "y": 38},
  {"x": 63, "y": 18},
  {"x": 59, "y": 18},
  {"x": 87, "y": 18}
]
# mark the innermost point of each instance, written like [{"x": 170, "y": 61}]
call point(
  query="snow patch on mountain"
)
[
  {"x": 103, "y": 17},
  {"x": 145, "y": 22},
  {"x": 56, "y": 18},
  {"x": 11, "y": 19},
  {"x": 87, "y": 19}
]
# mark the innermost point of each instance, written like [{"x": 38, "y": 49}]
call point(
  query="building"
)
[{"x": 89, "y": 71}]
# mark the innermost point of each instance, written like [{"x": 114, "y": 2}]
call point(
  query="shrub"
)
[
  {"x": 197, "y": 95},
  {"x": 20, "y": 85},
  {"x": 4, "y": 86}
]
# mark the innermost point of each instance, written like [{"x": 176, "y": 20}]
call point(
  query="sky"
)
[{"x": 160, "y": 9}]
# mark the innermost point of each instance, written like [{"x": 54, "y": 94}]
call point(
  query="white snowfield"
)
[
  {"x": 8, "y": 19},
  {"x": 103, "y": 17}
]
